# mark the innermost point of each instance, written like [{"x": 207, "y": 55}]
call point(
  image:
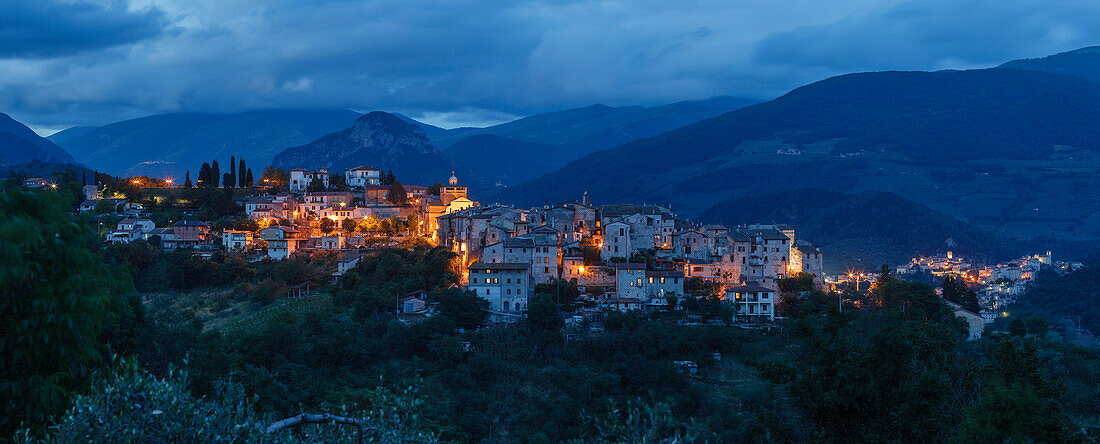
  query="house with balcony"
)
[
  {"x": 237, "y": 240},
  {"x": 362, "y": 176},
  {"x": 129, "y": 230},
  {"x": 300, "y": 179},
  {"x": 192, "y": 234},
  {"x": 754, "y": 302},
  {"x": 282, "y": 242}
]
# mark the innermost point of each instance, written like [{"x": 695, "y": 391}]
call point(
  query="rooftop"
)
[
  {"x": 750, "y": 288},
  {"x": 190, "y": 223},
  {"x": 498, "y": 266}
]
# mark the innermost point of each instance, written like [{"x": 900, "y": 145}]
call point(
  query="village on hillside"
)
[{"x": 619, "y": 256}]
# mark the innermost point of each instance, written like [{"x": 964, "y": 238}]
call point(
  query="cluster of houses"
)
[
  {"x": 290, "y": 220},
  {"x": 622, "y": 256},
  {"x": 999, "y": 284}
]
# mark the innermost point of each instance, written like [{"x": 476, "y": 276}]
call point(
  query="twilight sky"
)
[{"x": 453, "y": 62}]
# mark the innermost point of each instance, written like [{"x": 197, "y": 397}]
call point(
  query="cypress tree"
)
[
  {"x": 215, "y": 174},
  {"x": 248, "y": 177},
  {"x": 204, "y": 175},
  {"x": 187, "y": 179},
  {"x": 241, "y": 179},
  {"x": 232, "y": 172}
]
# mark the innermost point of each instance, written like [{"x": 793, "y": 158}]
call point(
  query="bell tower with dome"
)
[{"x": 452, "y": 191}]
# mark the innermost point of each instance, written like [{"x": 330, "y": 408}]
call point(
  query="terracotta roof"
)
[
  {"x": 280, "y": 227},
  {"x": 767, "y": 234},
  {"x": 519, "y": 242},
  {"x": 750, "y": 288},
  {"x": 498, "y": 266},
  {"x": 190, "y": 223},
  {"x": 738, "y": 236}
]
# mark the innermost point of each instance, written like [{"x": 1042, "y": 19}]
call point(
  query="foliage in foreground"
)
[
  {"x": 57, "y": 300},
  {"x": 130, "y": 405}
]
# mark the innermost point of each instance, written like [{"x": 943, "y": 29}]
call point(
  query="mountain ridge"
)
[
  {"x": 20, "y": 144},
  {"x": 377, "y": 138},
  {"x": 169, "y": 144},
  {"x": 986, "y": 146}
]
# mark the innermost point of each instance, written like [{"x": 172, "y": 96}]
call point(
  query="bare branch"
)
[{"x": 324, "y": 418}]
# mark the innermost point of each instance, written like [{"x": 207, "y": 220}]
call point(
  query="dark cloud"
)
[
  {"x": 460, "y": 62},
  {"x": 49, "y": 28},
  {"x": 935, "y": 34}
]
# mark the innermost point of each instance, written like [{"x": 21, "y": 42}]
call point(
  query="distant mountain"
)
[
  {"x": 574, "y": 133},
  {"x": 169, "y": 144},
  {"x": 1014, "y": 152},
  {"x": 50, "y": 170},
  {"x": 378, "y": 139},
  {"x": 431, "y": 131},
  {"x": 68, "y": 134},
  {"x": 1083, "y": 63},
  {"x": 19, "y": 144},
  {"x": 497, "y": 158},
  {"x": 862, "y": 230}
]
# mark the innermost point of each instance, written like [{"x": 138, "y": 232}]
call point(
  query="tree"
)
[
  {"x": 227, "y": 180},
  {"x": 232, "y": 172},
  {"x": 564, "y": 292},
  {"x": 205, "y": 175},
  {"x": 57, "y": 298},
  {"x": 248, "y": 178},
  {"x": 1020, "y": 403},
  {"x": 338, "y": 182},
  {"x": 702, "y": 288},
  {"x": 187, "y": 179},
  {"x": 397, "y": 193},
  {"x": 543, "y": 313},
  {"x": 389, "y": 178},
  {"x": 104, "y": 206},
  {"x": 956, "y": 290},
  {"x": 327, "y": 225},
  {"x": 274, "y": 177},
  {"x": 385, "y": 227},
  {"x": 349, "y": 225},
  {"x": 433, "y": 189},
  {"x": 215, "y": 174},
  {"x": 464, "y": 308},
  {"x": 242, "y": 175},
  {"x": 413, "y": 222},
  {"x": 315, "y": 186}
]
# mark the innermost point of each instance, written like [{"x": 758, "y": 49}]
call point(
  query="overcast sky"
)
[{"x": 453, "y": 62}]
